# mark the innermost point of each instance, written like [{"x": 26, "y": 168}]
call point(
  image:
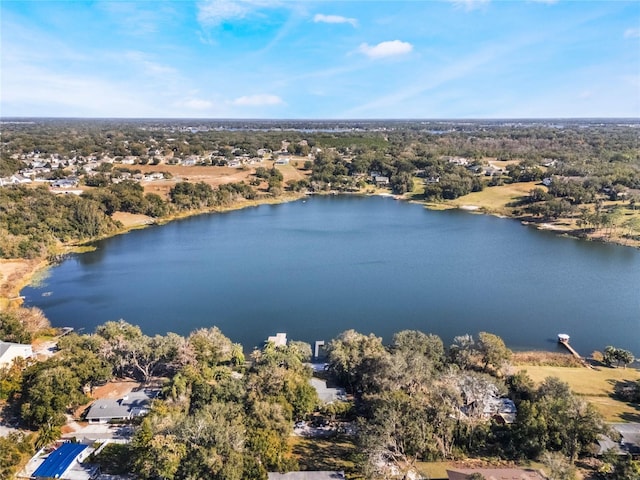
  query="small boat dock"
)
[{"x": 563, "y": 339}]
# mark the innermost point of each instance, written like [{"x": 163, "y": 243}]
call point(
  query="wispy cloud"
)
[
  {"x": 321, "y": 18},
  {"x": 137, "y": 18},
  {"x": 461, "y": 68},
  {"x": 391, "y": 48},
  {"x": 215, "y": 12},
  {"x": 632, "y": 33},
  {"x": 259, "y": 100},
  {"x": 469, "y": 5},
  {"x": 149, "y": 67}
]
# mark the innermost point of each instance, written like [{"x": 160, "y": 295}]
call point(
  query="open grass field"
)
[
  {"x": 496, "y": 199},
  {"x": 594, "y": 385},
  {"x": 215, "y": 176},
  {"x": 438, "y": 470},
  {"x": 332, "y": 454}
]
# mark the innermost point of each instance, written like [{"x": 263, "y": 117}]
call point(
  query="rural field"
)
[
  {"x": 214, "y": 175},
  {"x": 594, "y": 385}
]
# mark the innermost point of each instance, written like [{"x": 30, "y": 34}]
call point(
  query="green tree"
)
[
  {"x": 397, "y": 430},
  {"x": 492, "y": 350},
  {"x": 15, "y": 450},
  {"x": 49, "y": 390},
  {"x": 558, "y": 467},
  {"x": 351, "y": 357}
]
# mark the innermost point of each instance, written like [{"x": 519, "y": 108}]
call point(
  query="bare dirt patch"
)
[
  {"x": 214, "y": 176},
  {"x": 15, "y": 274},
  {"x": 115, "y": 389},
  {"x": 132, "y": 220},
  {"x": 111, "y": 390}
]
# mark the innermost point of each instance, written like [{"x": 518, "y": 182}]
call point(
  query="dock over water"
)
[{"x": 563, "y": 339}]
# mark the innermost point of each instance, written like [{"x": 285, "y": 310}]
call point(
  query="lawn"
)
[
  {"x": 595, "y": 385},
  {"x": 495, "y": 199},
  {"x": 328, "y": 454}
]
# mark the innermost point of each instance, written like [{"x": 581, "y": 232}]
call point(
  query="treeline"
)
[
  {"x": 575, "y": 143},
  {"x": 221, "y": 416},
  {"x": 34, "y": 221}
]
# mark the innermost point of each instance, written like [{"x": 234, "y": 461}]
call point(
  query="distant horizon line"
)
[{"x": 296, "y": 119}]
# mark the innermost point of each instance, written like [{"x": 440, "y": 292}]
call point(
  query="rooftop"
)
[
  {"x": 496, "y": 474},
  {"x": 59, "y": 460},
  {"x": 321, "y": 475}
]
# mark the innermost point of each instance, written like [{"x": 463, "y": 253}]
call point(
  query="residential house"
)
[
  {"x": 310, "y": 475},
  {"x": 458, "y": 161},
  {"x": 133, "y": 405},
  {"x": 283, "y": 158},
  {"x": 9, "y": 351},
  {"x": 14, "y": 180},
  {"x": 496, "y": 474},
  {"x": 327, "y": 394},
  {"x": 65, "y": 463},
  {"x": 381, "y": 181},
  {"x": 65, "y": 182},
  {"x": 629, "y": 442}
]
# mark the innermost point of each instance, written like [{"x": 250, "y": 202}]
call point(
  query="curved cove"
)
[{"x": 316, "y": 267}]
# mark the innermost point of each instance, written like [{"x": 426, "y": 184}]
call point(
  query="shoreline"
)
[
  {"x": 11, "y": 287},
  {"x": 544, "y": 226},
  {"x": 13, "y": 282}
]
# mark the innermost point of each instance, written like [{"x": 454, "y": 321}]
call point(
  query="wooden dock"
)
[{"x": 565, "y": 342}]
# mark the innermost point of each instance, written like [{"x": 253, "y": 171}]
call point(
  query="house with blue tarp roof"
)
[{"x": 59, "y": 461}]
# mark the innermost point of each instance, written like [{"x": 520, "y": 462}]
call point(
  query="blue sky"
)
[{"x": 307, "y": 59}]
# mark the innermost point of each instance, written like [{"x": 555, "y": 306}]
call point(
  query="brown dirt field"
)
[
  {"x": 15, "y": 274},
  {"x": 10, "y": 270},
  {"x": 115, "y": 389},
  {"x": 213, "y": 176},
  {"x": 131, "y": 220}
]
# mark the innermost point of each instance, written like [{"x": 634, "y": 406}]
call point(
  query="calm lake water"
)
[{"x": 317, "y": 267}]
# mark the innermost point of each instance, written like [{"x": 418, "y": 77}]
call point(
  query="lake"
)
[{"x": 317, "y": 267}]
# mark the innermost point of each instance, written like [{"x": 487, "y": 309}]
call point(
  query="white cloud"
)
[
  {"x": 215, "y": 12},
  {"x": 321, "y": 18},
  {"x": 257, "y": 100},
  {"x": 469, "y": 5},
  {"x": 632, "y": 33},
  {"x": 386, "y": 49}
]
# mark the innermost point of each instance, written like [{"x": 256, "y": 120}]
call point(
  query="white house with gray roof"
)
[
  {"x": 9, "y": 351},
  {"x": 135, "y": 404}
]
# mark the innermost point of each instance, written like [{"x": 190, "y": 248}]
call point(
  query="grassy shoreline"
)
[{"x": 14, "y": 280}]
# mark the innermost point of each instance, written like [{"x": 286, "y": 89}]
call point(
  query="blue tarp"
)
[{"x": 59, "y": 460}]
